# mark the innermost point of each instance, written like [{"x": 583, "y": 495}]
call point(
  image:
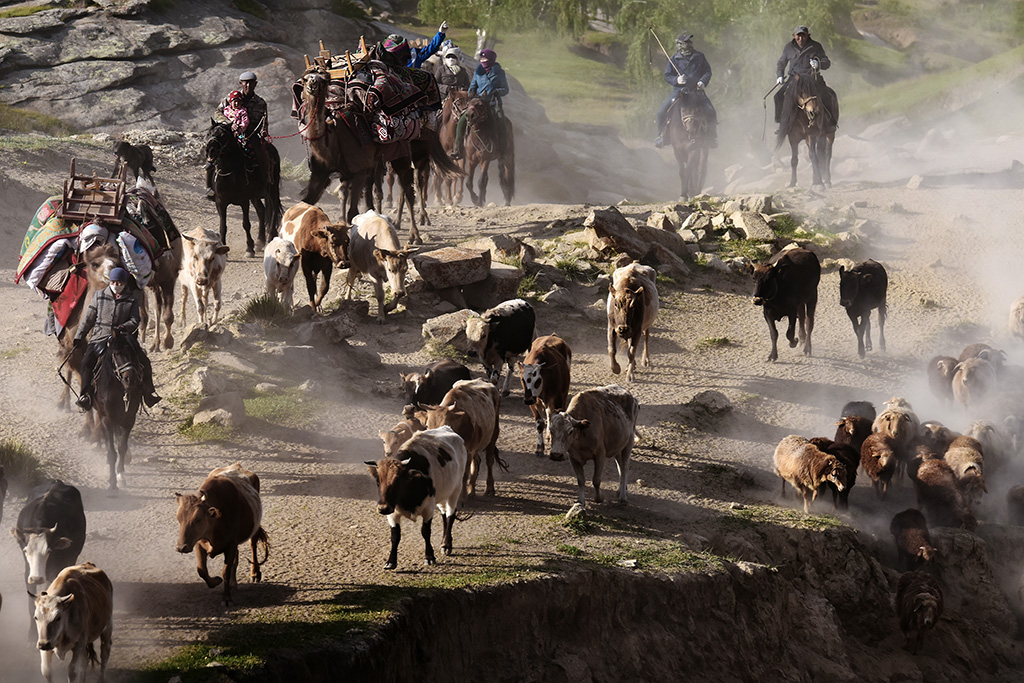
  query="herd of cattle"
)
[{"x": 451, "y": 423}]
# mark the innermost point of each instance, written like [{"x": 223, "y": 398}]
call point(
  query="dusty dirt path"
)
[{"x": 953, "y": 246}]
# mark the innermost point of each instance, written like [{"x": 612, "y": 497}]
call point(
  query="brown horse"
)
[
  {"x": 812, "y": 121},
  {"x": 165, "y": 272},
  {"x": 483, "y": 145},
  {"x": 688, "y": 134},
  {"x": 118, "y": 391},
  {"x": 448, "y": 190},
  {"x": 334, "y": 149}
]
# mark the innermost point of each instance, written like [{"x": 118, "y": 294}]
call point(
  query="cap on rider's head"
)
[
  {"x": 684, "y": 37},
  {"x": 487, "y": 56},
  {"x": 118, "y": 275},
  {"x": 802, "y": 29},
  {"x": 247, "y": 76}
]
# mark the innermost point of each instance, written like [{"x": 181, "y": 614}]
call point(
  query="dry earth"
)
[{"x": 958, "y": 246}]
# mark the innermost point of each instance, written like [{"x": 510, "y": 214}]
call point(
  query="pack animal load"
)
[
  {"x": 89, "y": 211},
  {"x": 380, "y": 102}
]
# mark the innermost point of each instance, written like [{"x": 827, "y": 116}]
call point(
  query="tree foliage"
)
[{"x": 568, "y": 17}]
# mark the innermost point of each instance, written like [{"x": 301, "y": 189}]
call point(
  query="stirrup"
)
[
  {"x": 84, "y": 402},
  {"x": 659, "y": 141},
  {"x": 456, "y": 155},
  {"x": 151, "y": 399}
]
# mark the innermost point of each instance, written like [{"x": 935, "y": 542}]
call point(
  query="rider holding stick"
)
[{"x": 689, "y": 73}]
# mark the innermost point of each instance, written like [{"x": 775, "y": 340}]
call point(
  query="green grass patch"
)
[
  {"x": 22, "y": 467},
  {"x": 25, "y": 121},
  {"x": 671, "y": 557},
  {"x": 264, "y": 308},
  {"x": 204, "y": 432},
  {"x": 569, "y": 549},
  {"x": 579, "y": 525},
  {"x": 13, "y": 353},
  {"x": 785, "y": 225},
  {"x": 23, "y": 11},
  {"x": 709, "y": 343},
  {"x": 752, "y": 250},
  {"x": 438, "y": 350},
  {"x": 251, "y": 7},
  {"x": 790, "y": 517},
  {"x": 290, "y": 408},
  {"x": 572, "y": 268},
  {"x": 527, "y": 286}
]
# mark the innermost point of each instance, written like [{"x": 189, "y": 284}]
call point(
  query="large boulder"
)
[
  {"x": 453, "y": 266},
  {"x": 226, "y": 409},
  {"x": 752, "y": 225},
  {"x": 665, "y": 262},
  {"x": 449, "y": 328},
  {"x": 668, "y": 239},
  {"x": 608, "y": 230},
  {"x": 501, "y": 284}
]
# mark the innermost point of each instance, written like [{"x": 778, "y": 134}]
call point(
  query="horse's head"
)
[
  {"x": 124, "y": 361},
  {"x": 219, "y": 140},
  {"x": 478, "y": 111},
  {"x": 809, "y": 101},
  {"x": 693, "y": 119}
]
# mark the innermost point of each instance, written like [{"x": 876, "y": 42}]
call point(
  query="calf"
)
[
  {"x": 202, "y": 264},
  {"x": 321, "y": 246},
  {"x": 598, "y": 424},
  {"x": 861, "y": 289},
  {"x": 500, "y": 335},
  {"x": 546, "y": 381},
  {"x": 471, "y": 409},
  {"x": 375, "y": 251},
  {"x": 913, "y": 542},
  {"x": 430, "y": 386},
  {"x": 70, "y": 615},
  {"x": 223, "y": 514},
  {"x": 807, "y": 468},
  {"x": 632, "y": 308},
  {"x": 941, "y": 370},
  {"x": 280, "y": 263},
  {"x": 50, "y": 532},
  {"x": 786, "y": 286},
  {"x": 138, "y": 159},
  {"x": 427, "y": 472},
  {"x": 918, "y": 606},
  {"x": 397, "y": 436}
]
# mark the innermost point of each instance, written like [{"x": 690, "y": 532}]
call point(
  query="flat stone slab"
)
[
  {"x": 453, "y": 266},
  {"x": 752, "y": 225},
  {"x": 501, "y": 284},
  {"x": 449, "y": 328}
]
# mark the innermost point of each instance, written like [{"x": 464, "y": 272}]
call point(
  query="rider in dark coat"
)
[
  {"x": 114, "y": 307},
  {"x": 803, "y": 57},
  {"x": 450, "y": 73},
  {"x": 689, "y": 73},
  {"x": 489, "y": 81},
  {"x": 257, "y": 131}
]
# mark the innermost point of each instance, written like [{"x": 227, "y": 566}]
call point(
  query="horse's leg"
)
[
  {"x": 794, "y": 143},
  {"x": 260, "y": 207},
  {"x": 389, "y": 203},
  {"x": 111, "y": 437},
  {"x": 358, "y": 183},
  {"x": 407, "y": 182},
  {"x": 319, "y": 179},
  {"x": 165, "y": 312},
  {"x": 507, "y": 166},
  {"x": 423, "y": 185},
  {"x": 484, "y": 174},
  {"x": 222, "y": 212},
  {"x": 814, "y": 143},
  {"x": 826, "y": 158},
  {"x": 471, "y": 171},
  {"x": 144, "y": 317},
  {"x": 250, "y": 250},
  {"x": 122, "y": 451}
]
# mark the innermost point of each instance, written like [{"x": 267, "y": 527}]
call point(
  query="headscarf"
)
[
  {"x": 399, "y": 47},
  {"x": 487, "y": 59},
  {"x": 90, "y": 235},
  {"x": 455, "y": 52}
]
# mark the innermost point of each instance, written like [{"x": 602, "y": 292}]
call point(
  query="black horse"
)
[
  {"x": 232, "y": 184},
  {"x": 118, "y": 393}
]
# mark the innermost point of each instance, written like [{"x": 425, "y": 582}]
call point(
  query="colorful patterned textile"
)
[{"x": 46, "y": 226}]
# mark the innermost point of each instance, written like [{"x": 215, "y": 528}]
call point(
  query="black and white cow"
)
[
  {"x": 50, "y": 532},
  {"x": 501, "y": 335},
  {"x": 428, "y": 388}
]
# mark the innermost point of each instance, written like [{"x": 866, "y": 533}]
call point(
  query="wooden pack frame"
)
[
  {"x": 89, "y": 198},
  {"x": 339, "y": 67}
]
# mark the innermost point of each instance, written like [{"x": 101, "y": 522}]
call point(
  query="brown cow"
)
[
  {"x": 376, "y": 252},
  {"x": 546, "y": 381},
  {"x": 471, "y": 409},
  {"x": 632, "y": 308},
  {"x": 72, "y": 613},
  {"x": 322, "y": 245},
  {"x": 786, "y": 286},
  {"x": 225, "y": 513}
]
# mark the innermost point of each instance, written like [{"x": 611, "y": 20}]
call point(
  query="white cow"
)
[
  {"x": 202, "y": 265},
  {"x": 280, "y": 264},
  {"x": 374, "y": 250}
]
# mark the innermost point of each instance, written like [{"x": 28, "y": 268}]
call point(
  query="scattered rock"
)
[
  {"x": 206, "y": 382},
  {"x": 669, "y": 239},
  {"x": 688, "y": 236},
  {"x": 500, "y": 246},
  {"x": 453, "y": 266},
  {"x": 310, "y": 386},
  {"x": 226, "y": 409},
  {"x": 558, "y": 296},
  {"x": 711, "y": 401},
  {"x": 758, "y": 203},
  {"x": 453, "y": 296},
  {"x": 628, "y": 564},
  {"x": 266, "y": 388},
  {"x": 197, "y": 334},
  {"x": 915, "y": 182},
  {"x": 752, "y": 226},
  {"x": 696, "y": 222},
  {"x": 665, "y": 262},
  {"x": 607, "y": 230},
  {"x": 660, "y": 221},
  {"x": 449, "y": 328}
]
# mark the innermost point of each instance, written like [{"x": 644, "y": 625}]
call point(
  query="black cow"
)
[
  {"x": 428, "y": 388},
  {"x": 787, "y": 286},
  {"x": 50, "y": 532},
  {"x": 861, "y": 289},
  {"x": 500, "y": 335}
]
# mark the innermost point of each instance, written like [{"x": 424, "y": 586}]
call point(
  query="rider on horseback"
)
[
  {"x": 113, "y": 308},
  {"x": 689, "y": 73},
  {"x": 398, "y": 52},
  {"x": 804, "y": 58},
  {"x": 450, "y": 73},
  {"x": 488, "y": 81},
  {"x": 256, "y": 127}
]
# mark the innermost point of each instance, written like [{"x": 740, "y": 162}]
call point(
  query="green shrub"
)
[
  {"x": 25, "y": 121},
  {"x": 21, "y": 466},
  {"x": 264, "y": 308}
]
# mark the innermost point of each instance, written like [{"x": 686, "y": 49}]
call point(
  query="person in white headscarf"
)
[{"x": 450, "y": 72}]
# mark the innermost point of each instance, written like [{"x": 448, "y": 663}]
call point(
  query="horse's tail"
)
[{"x": 445, "y": 166}]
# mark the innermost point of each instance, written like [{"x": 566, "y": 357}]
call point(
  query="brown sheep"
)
[
  {"x": 966, "y": 458},
  {"x": 807, "y": 468},
  {"x": 940, "y": 377},
  {"x": 918, "y": 607},
  {"x": 939, "y": 496},
  {"x": 918, "y": 454},
  {"x": 974, "y": 382},
  {"x": 852, "y": 430},
  {"x": 937, "y": 436},
  {"x": 898, "y": 421},
  {"x": 984, "y": 352},
  {"x": 913, "y": 543},
  {"x": 850, "y": 458},
  {"x": 1015, "y": 505},
  {"x": 878, "y": 458},
  {"x": 995, "y": 443}
]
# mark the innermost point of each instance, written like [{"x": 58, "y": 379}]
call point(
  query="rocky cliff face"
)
[{"x": 129, "y": 64}]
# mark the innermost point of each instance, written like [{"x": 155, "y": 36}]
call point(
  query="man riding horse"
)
[
  {"x": 489, "y": 82},
  {"x": 804, "y": 58},
  {"x": 689, "y": 73},
  {"x": 256, "y": 132},
  {"x": 450, "y": 73},
  {"x": 116, "y": 307}
]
